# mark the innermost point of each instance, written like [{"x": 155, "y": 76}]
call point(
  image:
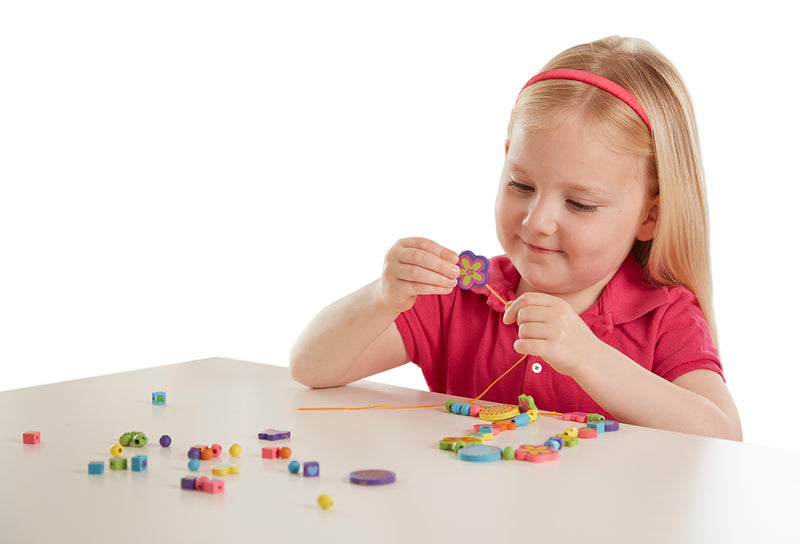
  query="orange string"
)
[
  {"x": 420, "y": 406},
  {"x": 498, "y": 379},
  {"x": 504, "y": 301}
]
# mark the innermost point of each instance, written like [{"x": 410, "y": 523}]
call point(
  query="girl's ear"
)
[{"x": 647, "y": 230}]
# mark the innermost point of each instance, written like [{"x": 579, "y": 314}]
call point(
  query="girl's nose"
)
[{"x": 541, "y": 218}]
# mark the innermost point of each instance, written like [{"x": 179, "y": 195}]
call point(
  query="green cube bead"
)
[{"x": 118, "y": 463}]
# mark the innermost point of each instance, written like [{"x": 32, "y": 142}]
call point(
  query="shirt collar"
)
[{"x": 629, "y": 295}]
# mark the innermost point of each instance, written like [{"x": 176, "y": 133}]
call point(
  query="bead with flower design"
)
[{"x": 473, "y": 270}]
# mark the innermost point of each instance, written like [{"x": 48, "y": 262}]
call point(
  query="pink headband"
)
[{"x": 592, "y": 79}]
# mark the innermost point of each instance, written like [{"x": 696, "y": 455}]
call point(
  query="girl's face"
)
[{"x": 568, "y": 210}]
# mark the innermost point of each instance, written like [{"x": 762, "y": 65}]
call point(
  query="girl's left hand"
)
[{"x": 549, "y": 328}]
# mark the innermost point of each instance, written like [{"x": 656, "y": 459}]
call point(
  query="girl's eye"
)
[
  {"x": 520, "y": 187},
  {"x": 580, "y": 207}
]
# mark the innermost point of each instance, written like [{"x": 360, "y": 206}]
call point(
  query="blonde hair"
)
[{"x": 678, "y": 254}]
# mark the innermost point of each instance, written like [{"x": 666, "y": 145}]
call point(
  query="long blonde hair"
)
[{"x": 678, "y": 254}]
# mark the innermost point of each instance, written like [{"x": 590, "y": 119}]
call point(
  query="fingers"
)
[
  {"x": 528, "y": 307},
  {"x": 420, "y": 260},
  {"x": 418, "y": 266}
]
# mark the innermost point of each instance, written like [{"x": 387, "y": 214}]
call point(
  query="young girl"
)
[{"x": 602, "y": 215}]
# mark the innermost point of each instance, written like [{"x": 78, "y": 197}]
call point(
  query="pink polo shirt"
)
[{"x": 461, "y": 344}]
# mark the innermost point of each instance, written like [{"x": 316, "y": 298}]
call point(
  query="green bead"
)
[
  {"x": 508, "y": 453},
  {"x": 139, "y": 440},
  {"x": 118, "y": 463},
  {"x": 125, "y": 439}
]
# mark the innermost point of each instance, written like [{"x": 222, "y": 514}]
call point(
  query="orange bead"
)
[
  {"x": 285, "y": 453},
  {"x": 206, "y": 454}
]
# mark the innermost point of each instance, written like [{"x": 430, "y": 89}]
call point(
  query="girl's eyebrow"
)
[{"x": 591, "y": 189}]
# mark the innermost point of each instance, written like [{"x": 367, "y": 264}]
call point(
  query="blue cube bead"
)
[{"x": 139, "y": 463}]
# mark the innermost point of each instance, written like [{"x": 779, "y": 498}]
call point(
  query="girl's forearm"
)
[
  {"x": 327, "y": 350},
  {"x": 637, "y": 396}
]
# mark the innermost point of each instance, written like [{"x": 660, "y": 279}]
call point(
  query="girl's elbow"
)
[
  {"x": 735, "y": 429},
  {"x": 300, "y": 368}
]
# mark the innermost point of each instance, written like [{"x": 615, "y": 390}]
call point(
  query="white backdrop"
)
[{"x": 187, "y": 179}]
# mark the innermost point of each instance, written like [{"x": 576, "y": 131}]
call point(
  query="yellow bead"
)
[
  {"x": 571, "y": 432},
  {"x": 325, "y": 501},
  {"x": 116, "y": 450},
  {"x": 235, "y": 450}
]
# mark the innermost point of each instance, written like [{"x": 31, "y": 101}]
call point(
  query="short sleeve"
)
[
  {"x": 684, "y": 339},
  {"x": 423, "y": 330}
]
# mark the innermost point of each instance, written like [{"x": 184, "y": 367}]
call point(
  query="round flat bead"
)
[
  {"x": 611, "y": 425},
  {"x": 465, "y": 408},
  {"x": 165, "y": 441},
  {"x": 448, "y": 404},
  {"x": 475, "y": 410},
  {"x": 587, "y": 432},
  {"x": 480, "y": 453},
  {"x": 372, "y": 477},
  {"x": 455, "y": 407}
]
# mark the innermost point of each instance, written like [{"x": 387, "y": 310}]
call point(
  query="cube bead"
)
[
  {"x": 311, "y": 469},
  {"x": 139, "y": 463},
  {"x": 118, "y": 463}
]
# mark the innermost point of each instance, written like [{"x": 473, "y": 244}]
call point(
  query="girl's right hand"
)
[{"x": 417, "y": 266}]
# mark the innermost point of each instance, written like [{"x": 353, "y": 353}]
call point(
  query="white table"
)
[{"x": 635, "y": 485}]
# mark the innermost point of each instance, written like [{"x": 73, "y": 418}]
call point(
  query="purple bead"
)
[
  {"x": 272, "y": 434},
  {"x": 187, "y": 482},
  {"x": 311, "y": 469},
  {"x": 194, "y": 453},
  {"x": 372, "y": 477},
  {"x": 165, "y": 441}
]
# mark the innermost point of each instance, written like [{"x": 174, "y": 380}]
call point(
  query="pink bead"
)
[{"x": 474, "y": 410}]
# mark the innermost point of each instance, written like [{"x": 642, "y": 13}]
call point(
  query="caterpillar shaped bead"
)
[{"x": 462, "y": 408}]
